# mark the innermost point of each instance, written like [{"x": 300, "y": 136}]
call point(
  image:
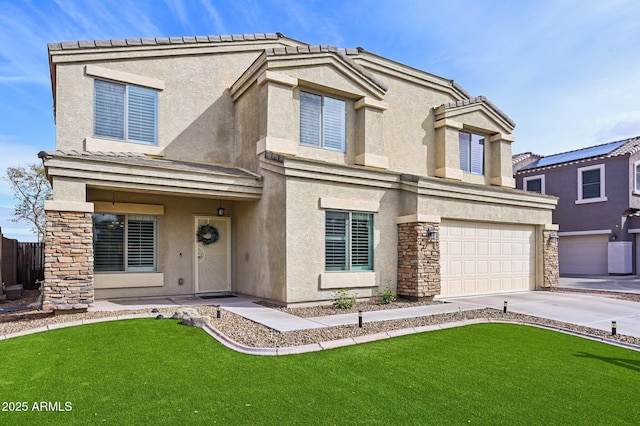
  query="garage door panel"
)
[
  {"x": 583, "y": 254},
  {"x": 494, "y": 258}
]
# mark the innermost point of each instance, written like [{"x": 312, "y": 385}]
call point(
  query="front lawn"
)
[{"x": 157, "y": 372}]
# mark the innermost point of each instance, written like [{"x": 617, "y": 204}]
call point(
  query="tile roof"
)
[
  {"x": 340, "y": 52},
  {"x": 480, "y": 99},
  {"x": 610, "y": 149},
  {"x": 137, "y": 159},
  {"x": 159, "y": 41}
]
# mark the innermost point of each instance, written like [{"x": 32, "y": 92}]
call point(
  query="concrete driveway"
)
[
  {"x": 625, "y": 284},
  {"x": 589, "y": 311}
]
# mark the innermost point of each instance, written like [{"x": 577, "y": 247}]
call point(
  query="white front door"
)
[{"x": 213, "y": 259}]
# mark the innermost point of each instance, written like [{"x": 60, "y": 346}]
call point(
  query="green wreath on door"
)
[{"x": 207, "y": 234}]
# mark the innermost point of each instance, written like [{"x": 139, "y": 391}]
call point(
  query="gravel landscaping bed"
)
[{"x": 252, "y": 334}]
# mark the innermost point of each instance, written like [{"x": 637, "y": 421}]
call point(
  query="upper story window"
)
[
  {"x": 348, "y": 241},
  {"x": 124, "y": 242},
  {"x": 471, "y": 152},
  {"x": 125, "y": 112},
  {"x": 322, "y": 121},
  {"x": 636, "y": 176},
  {"x": 534, "y": 184},
  {"x": 591, "y": 184}
]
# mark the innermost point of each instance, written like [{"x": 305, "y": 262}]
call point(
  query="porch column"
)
[
  {"x": 551, "y": 267},
  {"x": 418, "y": 260},
  {"x": 68, "y": 267}
]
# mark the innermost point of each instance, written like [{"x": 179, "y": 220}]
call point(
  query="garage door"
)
[
  {"x": 583, "y": 254},
  {"x": 482, "y": 258}
]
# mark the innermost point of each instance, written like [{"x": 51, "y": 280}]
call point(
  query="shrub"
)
[
  {"x": 388, "y": 295},
  {"x": 343, "y": 299}
]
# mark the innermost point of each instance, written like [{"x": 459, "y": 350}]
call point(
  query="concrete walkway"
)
[
  {"x": 589, "y": 311},
  {"x": 278, "y": 320}
]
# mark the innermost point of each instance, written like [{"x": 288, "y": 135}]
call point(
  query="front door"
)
[{"x": 213, "y": 260}]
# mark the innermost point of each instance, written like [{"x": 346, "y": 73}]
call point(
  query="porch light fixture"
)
[
  {"x": 433, "y": 234},
  {"x": 220, "y": 209},
  {"x": 553, "y": 238}
]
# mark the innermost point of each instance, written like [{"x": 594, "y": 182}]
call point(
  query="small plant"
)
[
  {"x": 343, "y": 299},
  {"x": 388, "y": 295}
]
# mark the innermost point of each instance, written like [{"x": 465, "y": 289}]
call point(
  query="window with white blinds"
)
[
  {"x": 125, "y": 112},
  {"x": 348, "y": 241},
  {"x": 111, "y": 254},
  {"x": 471, "y": 153},
  {"x": 322, "y": 121}
]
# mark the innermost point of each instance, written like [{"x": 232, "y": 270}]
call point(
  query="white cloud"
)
[{"x": 214, "y": 15}]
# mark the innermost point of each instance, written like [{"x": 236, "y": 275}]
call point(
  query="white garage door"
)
[
  {"x": 583, "y": 254},
  {"x": 482, "y": 258}
]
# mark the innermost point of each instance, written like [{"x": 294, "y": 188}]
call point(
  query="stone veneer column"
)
[
  {"x": 418, "y": 261},
  {"x": 68, "y": 268},
  {"x": 551, "y": 277}
]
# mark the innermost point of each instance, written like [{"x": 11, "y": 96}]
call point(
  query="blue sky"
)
[{"x": 567, "y": 71}]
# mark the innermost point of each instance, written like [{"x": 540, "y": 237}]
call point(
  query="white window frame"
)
[
  {"x": 322, "y": 142},
  {"x": 126, "y": 119},
  {"x": 636, "y": 169},
  {"x": 602, "y": 196},
  {"x": 126, "y": 243},
  {"x": 350, "y": 240},
  {"x": 530, "y": 178},
  {"x": 469, "y": 151}
]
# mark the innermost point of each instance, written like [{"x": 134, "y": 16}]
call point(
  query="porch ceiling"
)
[{"x": 138, "y": 172}]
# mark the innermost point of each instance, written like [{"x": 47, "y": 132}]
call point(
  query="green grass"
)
[{"x": 157, "y": 372}]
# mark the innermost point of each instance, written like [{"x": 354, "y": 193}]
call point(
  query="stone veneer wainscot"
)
[
  {"x": 418, "y": 261},
  {"x": 68, "y": 277}
]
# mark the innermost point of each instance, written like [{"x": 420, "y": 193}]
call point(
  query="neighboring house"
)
[
  {"x": 599, "y": 201},
  {"x": 261, "y": 165}
]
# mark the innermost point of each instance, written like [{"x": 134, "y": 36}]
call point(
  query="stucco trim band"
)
[
  {"x": 353, "y": 205},
  {"x": 130, "y": 208},
  {"x": 372, "y": 160},
  {"x": 68, "y": 206},
  {"x": 277, "y": 78},
  {"x": 128, "y": 280},
  {"x": 418, "y": 218},
  {"x": 371, "y": 103},
  {"x": 278, "y": 145},
  {"x": 125, "y": 77},
  {"x": 333, "y": 280}
]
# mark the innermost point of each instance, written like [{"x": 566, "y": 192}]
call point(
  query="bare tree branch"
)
[{"x": 30, "y": 189}]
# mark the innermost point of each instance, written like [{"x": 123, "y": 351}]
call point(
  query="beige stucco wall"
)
[
  {"x": 260, "y": 235},
  {"x": 305, "y": 238},
  {"x": 196, "y": 112}
]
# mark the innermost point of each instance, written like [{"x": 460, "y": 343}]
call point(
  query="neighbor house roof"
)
[{"x": 611, "y": 149}]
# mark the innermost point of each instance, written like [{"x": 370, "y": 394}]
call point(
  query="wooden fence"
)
[{"x": 30, "y": 264}]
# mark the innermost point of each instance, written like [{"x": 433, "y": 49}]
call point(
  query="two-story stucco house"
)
[
  {"x": 598, "y": 188},
  {"x": 261, "y": 165}
]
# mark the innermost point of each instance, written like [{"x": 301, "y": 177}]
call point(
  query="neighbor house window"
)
[
  {"x": 322, "y": 121},
  {"x": 124, "y": 243},
  {"x": 534, "y": 184},
  {"x": 636, "y": 174},
  {"x": 591, "y": 184},
  {"x": 348, "y": 241},
  {"x": 471, "y": 153},
  {"x": 125, "y": 112}
]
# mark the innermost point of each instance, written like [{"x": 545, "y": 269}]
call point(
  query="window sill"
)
[
  {"x": 347, "y": 279},
  {"x": 591, "y": 200},
  {"x": 110, "y": 145},
  {"x": 127, "y": 279}
]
